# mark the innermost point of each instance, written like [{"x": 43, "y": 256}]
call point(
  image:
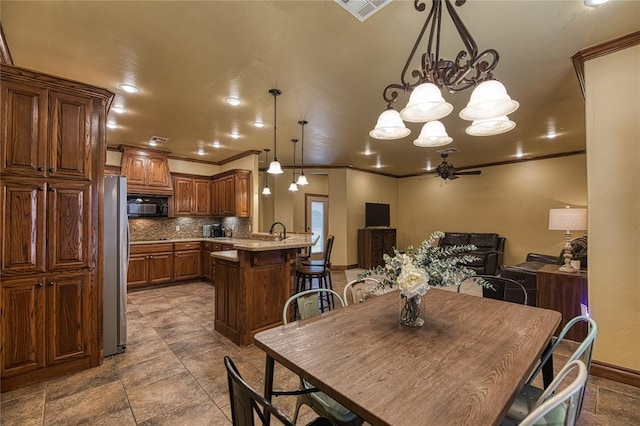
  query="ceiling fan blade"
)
[
  {"x": 471, "y": 172},
  {"x": 452, "y": 177}
]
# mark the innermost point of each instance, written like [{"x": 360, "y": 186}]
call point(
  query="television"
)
[{"x": 376, "y": 214}]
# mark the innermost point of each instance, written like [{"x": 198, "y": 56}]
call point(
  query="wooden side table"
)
[{"x": 564, "y": 292}]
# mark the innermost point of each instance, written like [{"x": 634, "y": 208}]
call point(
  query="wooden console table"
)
[{"x": 564, "y": 292}]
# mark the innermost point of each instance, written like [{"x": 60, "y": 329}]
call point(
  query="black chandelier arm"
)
[
  {"x": 465, "y": 35},
  {"x": 462, "y": 74}
]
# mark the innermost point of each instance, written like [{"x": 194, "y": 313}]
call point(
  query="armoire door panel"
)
[{"x": 23, "y": 226}]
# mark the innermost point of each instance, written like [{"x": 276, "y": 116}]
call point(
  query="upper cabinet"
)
[
  {"x": 147, "y": 171},
  {"x": 231, "y": 194},
  {"x": 192, "y": 196},
  {"x": 47, "y": 133}
]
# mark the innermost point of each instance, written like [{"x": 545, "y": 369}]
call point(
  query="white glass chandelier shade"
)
[
  {"x": 266, "y": 191},
  {"x": 433, "y": 134},
  {"x": 426, "y": 104},
  {"x": 275, "y": 168},
  {"x": 293, "y": 187},
  {"x": 491, "y": 126},
  {"x": 302, "y": 180},
  {"x": 389, "y": 126},
  {"x": 488, "y": 100}
]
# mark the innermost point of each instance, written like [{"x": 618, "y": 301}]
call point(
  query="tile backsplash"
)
[{"x": 142, "y": 229}]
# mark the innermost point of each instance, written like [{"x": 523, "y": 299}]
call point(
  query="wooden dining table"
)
[{"x": 464, "y": 366}]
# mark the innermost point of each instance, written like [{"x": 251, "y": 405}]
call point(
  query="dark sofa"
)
[{"x": 490, "y": 249}]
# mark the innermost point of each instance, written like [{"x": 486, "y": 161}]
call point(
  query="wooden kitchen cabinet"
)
[
  {"x": 150, "y": 264},
  {"x": 192, "y": 196},
  {"x": 188, "y": 261},
  {"x": 207, "y": 248},
  {"x": 147, "y": 171},
  {"x": 52, "y": 151},
  {"x": 212, "y": 261},
  {"x": 227, "y": 319},
  {"x": 231, "y": 193}
]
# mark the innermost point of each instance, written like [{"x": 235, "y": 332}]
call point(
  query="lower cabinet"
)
[
  {"x": 227, "y": 298},
  {"x": 45, "y": 321},
  {"x": 188, "y": 261},
  {"x": 207, "y": 248},
  {"x": 150, "y": 264}
]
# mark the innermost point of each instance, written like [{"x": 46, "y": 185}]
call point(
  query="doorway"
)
[{"x": 317, "y": 221}]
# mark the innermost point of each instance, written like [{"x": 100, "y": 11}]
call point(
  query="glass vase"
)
[{"x": 412, "y": 311}]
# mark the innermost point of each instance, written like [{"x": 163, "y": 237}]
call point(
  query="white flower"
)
[{"x": 412, "y": 281}]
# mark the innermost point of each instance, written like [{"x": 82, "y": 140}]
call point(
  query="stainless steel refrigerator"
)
[{"x": 116, "y": 262}]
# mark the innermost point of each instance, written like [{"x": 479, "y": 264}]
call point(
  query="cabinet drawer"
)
[
  {"x": 151, "y": 248},
  {"x": 207, "y": 246},
  {"x": 193, "y": 245}
]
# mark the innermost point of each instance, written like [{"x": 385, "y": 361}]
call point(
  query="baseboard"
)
[
  {"x": 343, "y": 267},
  {"x": 615, "y": 372}
]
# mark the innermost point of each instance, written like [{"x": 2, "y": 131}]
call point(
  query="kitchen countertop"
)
[
  {"x": 292, "y": 241},
  {"x": 230, "y": 255}
]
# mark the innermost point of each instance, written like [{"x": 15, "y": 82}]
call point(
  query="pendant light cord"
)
[{"x": 302, "y": 123}]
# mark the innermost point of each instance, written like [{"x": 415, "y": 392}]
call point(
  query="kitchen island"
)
[{"x": 253, "y": 282}]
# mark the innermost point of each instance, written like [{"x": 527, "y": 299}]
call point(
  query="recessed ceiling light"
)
[
  {"x": 520, "y": 154},
  {"x": 595, "y": 3},
  {"x": 153, "y": 143},
  {"x": 367, "y": 152},
  {"x": 129, "y": 88},
  {"x": 378, "y": 166},
  {"x": 201, "y": 151},
  {"x": 118, "y": 109},
  {"x": 235, "y": 136},
  {"x": 258, "y": 124},
  {"x": 216, "y": 144},
  {"x": 112, "y": 125},
  {"x": 551, "y": 135},
  {"x": 234, "y": 101}
]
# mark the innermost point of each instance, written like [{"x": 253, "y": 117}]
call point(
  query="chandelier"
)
[{"x": 488, "y": 105}]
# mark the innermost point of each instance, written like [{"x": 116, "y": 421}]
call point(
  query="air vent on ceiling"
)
[
  {"x": 362, "y": 9},
  {"x": 448, "y": 150},
  {"x": 157, "y": 140}
]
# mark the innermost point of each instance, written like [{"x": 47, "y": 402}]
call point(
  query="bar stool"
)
[{"x": 308, "y": 270}]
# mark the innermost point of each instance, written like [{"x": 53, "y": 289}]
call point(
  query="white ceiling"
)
[{"x": 187, "y": 57}]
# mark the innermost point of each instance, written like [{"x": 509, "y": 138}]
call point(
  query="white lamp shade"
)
[
  {"x": 568, "y": 219},
  {"x": 293, "y": 187},
  {"x": 433, "y": 134},
  {"x": 426, "y": 104},
  {"x": 491, "y": 126},
  {"x": 389, "y": 126},
  {"x": 488, "y": 100},
  {"x": 266, "y": 191},
  {"x": 302, "y": 180},
  {"x": 274, "y": 168}
]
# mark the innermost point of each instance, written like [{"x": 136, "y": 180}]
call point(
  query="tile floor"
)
[{"x": 172, "y": 374}]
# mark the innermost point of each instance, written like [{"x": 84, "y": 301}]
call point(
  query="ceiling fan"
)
[{"x": 447, "y": 171}]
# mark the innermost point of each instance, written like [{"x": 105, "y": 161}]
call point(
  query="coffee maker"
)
[{"x": 216, "y": 230}]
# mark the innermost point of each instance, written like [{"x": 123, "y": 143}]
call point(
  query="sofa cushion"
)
[
  {"x": 455, "y": 239},
  {"x": 484, "y": 241}
]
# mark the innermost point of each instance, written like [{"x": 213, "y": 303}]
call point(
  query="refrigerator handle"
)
[{"x": 128, "y": 243}]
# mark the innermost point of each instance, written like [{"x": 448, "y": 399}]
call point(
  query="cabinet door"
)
[
  {"x": 229, "y": 196},
  {"x": 182, "y": 197},
  {"x": 134, "y": 168},
  {"x": 201, "y": 197},
  {"x": 158, "y": 173},
  {"x": 70, "y": 150},
  {"x": 69, "y": 225},
  {"x": 24, "y": 130},
  {"x": 160, "y": 268},
  {"x": 23, "y": 226},
  {"x": 68, "y": 319},
  {"x": 207, "y": 248},
  {"x": 215, "y": 201},
  {"x": 222, "y": 291},
  {"x": 242, "y": 196},
  {"x": 138, "y": 271},
  {"x": 187, "y": 264},
  {"x": 23, "y": 320}
]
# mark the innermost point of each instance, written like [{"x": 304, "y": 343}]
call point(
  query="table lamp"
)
[{"x": 567, "y": 220}]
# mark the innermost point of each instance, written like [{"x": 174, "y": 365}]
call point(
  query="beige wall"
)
[
  {"x": 613, "y": 146},
  {"x": 511, "y": 200}
]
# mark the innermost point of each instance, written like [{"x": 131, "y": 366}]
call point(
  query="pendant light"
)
[
  {"x": 293, "y": 187},
  {"x": 266, "y": 190},
  {"x": 274, "y": 167},
  {"x": 302, "y": 179}
]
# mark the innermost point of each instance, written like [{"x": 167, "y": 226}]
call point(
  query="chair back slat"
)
[{"x": 310, "y": 306}]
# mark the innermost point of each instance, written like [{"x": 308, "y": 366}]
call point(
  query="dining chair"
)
[
  {"x": 359, "y": 290},
  {"x": 504, "y": 289},
  {"x": 325, "y": 406},
  {"x": 307, "y": 303},
  {"x": 246, "y": 402},
  {"x": 553, "y": 406},
  {"x": 529, "y": 394}
]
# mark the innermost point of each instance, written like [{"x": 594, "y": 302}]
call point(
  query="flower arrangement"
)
[{"x": 417, "y": 269}]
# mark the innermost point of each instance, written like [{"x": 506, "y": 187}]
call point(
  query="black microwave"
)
[{"x": 147, "y": 205}]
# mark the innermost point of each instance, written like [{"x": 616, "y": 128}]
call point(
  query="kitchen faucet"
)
[{"x": 284, "y": 230}]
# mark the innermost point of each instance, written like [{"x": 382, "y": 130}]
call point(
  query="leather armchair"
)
[{"x": 489, "y": 249}]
